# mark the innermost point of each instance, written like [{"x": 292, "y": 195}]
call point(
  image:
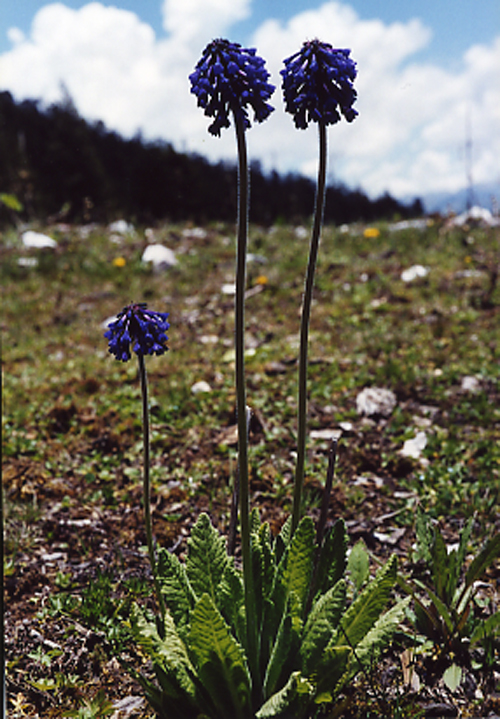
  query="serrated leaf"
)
[
  {"x": 220, "y": 661},
  {"x": 489, "y": 553},
  {"x": 168, "y": 654},
  {"x": 367, "y": 607},
  {"x": 291, "y": 701},
  {"x": 207, "y": 558},
  {"x": 298, "y": 568},
  {"x": 279, "y": 656},
  {"x": 332, "y": 559},
  {"x": 282, "y": 540},
  {"x": 425, "y": 536},
  {"x": 321, "y": 625},
  {"x": 269, "y": 566},
  {"x": 254, "y": 521},
  {"x": 358, "y": 564},
  {"x": 332, "y": 667},
  {"x": 175, "y": 587},
  {"x": 264, "y": 570},
  {"x": 374, "y": 642},
  {"x": 232, "y": 601}
]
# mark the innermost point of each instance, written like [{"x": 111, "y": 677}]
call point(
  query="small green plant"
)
[
  {"x": 95, "y": 708},
  {"x": 447, "y": 610},
  {"x": 311, "y": 639}
]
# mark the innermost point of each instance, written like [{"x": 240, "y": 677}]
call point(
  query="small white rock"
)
[
  {"x": 37, "y": 240},
  {"x": 346, "y": 426},
  {"x": 413, "y": 272},
  {"x": 327, "y": 434},
  {"x": 197, "y": 232},
  {"x": 200, "y": 387},
  {"x": 414, "y": 447},
  {"x": 121, "y": 226},
  {"x": 301, "y": 233},
  {"x": 159, "y": 256},
  {"x": 376, "y": 400},
  {"x": 470, "y": 384},
  {"x": 27, "y": 261}
]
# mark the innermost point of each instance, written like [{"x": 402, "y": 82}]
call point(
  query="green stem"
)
[
  {"x": 146, "y": 484},
  {"x": 241, "y": 407},
  {"x": 304, "y": 328}
]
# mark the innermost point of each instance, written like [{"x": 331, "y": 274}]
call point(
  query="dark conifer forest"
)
[{"x": 59, "y": 166}]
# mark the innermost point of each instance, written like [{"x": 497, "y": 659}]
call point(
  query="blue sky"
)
[
  {"x": 427, "y": 70},
  {"x": 456, "y": 24}
]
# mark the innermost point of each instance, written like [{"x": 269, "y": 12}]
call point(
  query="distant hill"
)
[
  {"x": 61, "y": 167},
  {"x": 486, "y": 195}
]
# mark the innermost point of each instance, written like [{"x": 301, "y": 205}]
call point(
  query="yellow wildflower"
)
[{"x": 371, "y": 233}]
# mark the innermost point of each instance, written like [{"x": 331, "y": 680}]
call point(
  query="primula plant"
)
[{"x": 281, "y": 633}]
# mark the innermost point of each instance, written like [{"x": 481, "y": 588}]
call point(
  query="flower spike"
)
[
  {"x": 317, "y": 84},
  {"x": 227, "y": 79},
  {"x": 142, "y": 328}
]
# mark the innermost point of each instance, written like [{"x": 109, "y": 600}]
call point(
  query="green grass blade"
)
[
  {"x": 486, "y": 557},
  {"x": 488, "y": 627},
  {"x": 440, "y": 565}
]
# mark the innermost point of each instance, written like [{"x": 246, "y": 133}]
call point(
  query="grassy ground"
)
[{"x": 71, "y": 419}]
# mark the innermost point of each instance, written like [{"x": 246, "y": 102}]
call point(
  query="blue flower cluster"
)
[
  {"x": 317, "y": 84},
  {"x": 142, "y": 328},
  {"x": 228, "y": 78}
]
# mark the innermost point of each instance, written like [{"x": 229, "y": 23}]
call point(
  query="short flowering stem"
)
[
  {"x": 304, "y": 327},
  {"x": 241, "y": 408},
  {"x": 146, "y": 485}
]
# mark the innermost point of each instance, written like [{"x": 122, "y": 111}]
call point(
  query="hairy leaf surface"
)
[
  {"x": 207, "y": 558},
  {"x": 169, "y": 654},
  {"x": 367, "y": 607},
  {"x": 368, "y": 650},
  {"x": 291, "y": 701},
  {"x": 175, "y": 587},
  {"x": 298, "y": 568},
  {"x": 321, "y": 625},
  {"x": 220, "y": 661},
  {"x": 332, "y": 558}
]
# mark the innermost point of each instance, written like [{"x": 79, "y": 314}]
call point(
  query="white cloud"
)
[
  {"x": 195, "y": 21},
  {"x": 410, "y": 134}
]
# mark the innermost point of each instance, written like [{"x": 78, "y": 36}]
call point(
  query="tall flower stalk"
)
[
  {"x": 317, "y": 87},
  {"x": 146, "y": 331},
  {"x": 226, "y": 80}
]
